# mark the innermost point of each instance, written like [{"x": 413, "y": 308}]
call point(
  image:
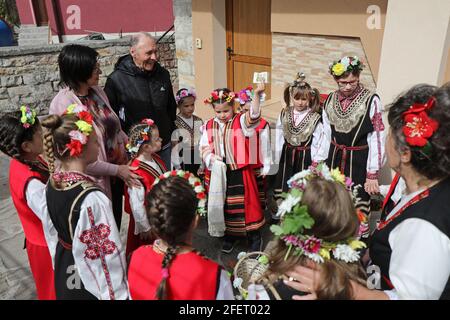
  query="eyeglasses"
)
[{"x": 343, "y": 84}]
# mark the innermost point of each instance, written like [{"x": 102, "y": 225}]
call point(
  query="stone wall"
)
[
  {"x": 182, "y": 10},
  {"x": 30, "y": 75},
  {"x": 311, "y": 54}
]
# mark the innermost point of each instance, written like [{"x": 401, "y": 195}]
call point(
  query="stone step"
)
[
  {"x": 32, "y": 36},
  {"x": 27, "y": 43}
]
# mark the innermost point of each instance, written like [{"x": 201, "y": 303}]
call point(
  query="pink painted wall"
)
[
  {"x": 107, "y": 16},
  {"x": 25, "y": 11}
]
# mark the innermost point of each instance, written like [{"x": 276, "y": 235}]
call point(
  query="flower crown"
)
[
  {"x": 79, "y": 137},
  {"x": 195, "y": 183},
  {"x": 338, "y": 68},
  {"x": 296, "y": 220},
  {"x": 183, "y": 93},
  {"x": 419, "y": 127},
  {"x": 144, "y": 135},
  {"x": 246, "y": 95},
  {"x": 28, "y": 116},
  {"x": 220, "y": 97}
]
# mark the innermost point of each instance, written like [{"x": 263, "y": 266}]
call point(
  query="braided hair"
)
[
  {"x": 56, "y": 136},
  {"x": 135, "y": 136},
  {"x": 13, "y": 134},
  {"x": 171, "y": 220}
]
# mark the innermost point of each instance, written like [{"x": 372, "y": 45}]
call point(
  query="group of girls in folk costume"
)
[
  {"x": 143, "y": 144},
  {"x": 299, "y": 134},
  {"x": 171, "y": 268},
  {"x": 263, "y": 152},
  {"x": 225, "y": 147},
  {"x": 89, "y": 261},
  {"x": 20, "y": 139},
  {"x": 187, "y": 136},
  {"x": 323, "y": 236},
  {"x": 410, "y": 248}
]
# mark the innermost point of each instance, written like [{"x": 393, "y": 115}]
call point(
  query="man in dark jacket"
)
[{"x": 140, "y": 88}]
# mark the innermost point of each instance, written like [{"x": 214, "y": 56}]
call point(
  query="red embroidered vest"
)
[
  {"x": 236, "y": 145},
  {"x": 191, "y": 276},
  {"x": 148, "y": 175},
  {"x": 19, "y": 177}
]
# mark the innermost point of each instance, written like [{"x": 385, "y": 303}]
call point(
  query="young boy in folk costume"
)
[
  {"x": 88, "y": 257},
  {"x": 21, "y": 140},
  {"x": 187, "y": 136},
  {"x": 143, "y": 145},
  {"x": 299, "y": 132},
  {"x": 171, "y": 269},
  {"x": 353, "y": 125},
  {"x": 226, "y": 151},
  {"x": 263, "y": 149}
]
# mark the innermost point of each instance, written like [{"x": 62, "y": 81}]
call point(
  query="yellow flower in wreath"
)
[{"x": 338, "y": 69}]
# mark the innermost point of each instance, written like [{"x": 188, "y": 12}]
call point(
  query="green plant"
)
[{"x": 8, "y": 11}]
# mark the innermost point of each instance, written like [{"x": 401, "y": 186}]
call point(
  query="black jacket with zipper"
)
[{"x": 135, "y": 95}]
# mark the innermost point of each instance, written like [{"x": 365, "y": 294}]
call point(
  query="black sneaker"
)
[{"x": 228, "y": 246}]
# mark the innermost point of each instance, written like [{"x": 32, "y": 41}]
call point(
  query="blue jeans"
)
[{"x": 165, "y": 156}]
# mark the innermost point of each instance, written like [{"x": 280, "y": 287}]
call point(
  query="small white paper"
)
[{"x": 260, "y": 77}]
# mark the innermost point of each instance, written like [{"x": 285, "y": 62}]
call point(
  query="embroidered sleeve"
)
[
  {"x": 266, "y": 149},
  {"x": 318, "y": 154},
  {"x": 205, "y": 149},
  {"x": 323, "y": 140},
  {"x": 98, "y": 251},
  {"x": 376, "y": 140},
  {"x": 137, "y": 200},
  {"x": 419, "y": 267},
  {"x": 37, "y": 201},
  {"x": 279, "y": 140}
]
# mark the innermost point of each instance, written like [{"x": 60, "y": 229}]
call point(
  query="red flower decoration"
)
[
  {"x": 418, "y": 128},
  {"x": 97, "y": 242},
  {"x": 215, "y": 95},
  {"x": 312, "y": 245},
  {"x": 187, "y": 175},
  {"x": 201, "y": 195},
  {"x": 75, "y": 147},
  {"x": 85, "y": 116},
  {"x": 148, "y": 122},
  {"x": 197, "y": 183},
  {"x": 418, "y": 107},
  {"x": 173, "y": 173}
]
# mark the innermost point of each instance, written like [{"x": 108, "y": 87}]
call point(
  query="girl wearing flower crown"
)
[
  {"x": 263, "y": 144},
  {"x": 171, "y": 269},
  {"x": 318, "y": 228},
  {"x": 144, "y": 143},
  {"x": 187, "y": 137},
  {"x": 234, "y": 209},
  {"x": 410, "y": 249},
  {"x": 88, "y": 257},
  {"x": 299, "y": 134},
  {"x": 21, "y": 140},
  {"x": 354, "y": 130}
]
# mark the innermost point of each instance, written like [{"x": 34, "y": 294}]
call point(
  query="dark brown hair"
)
[
  {"x": 335, "y": 219},
  {"x": 135, "y": 134},
  {"x": 435, "y": 163},
  {"x": 13, "y": 134},
  {"x": 171, "y": 220},
  {"x": 303, "y": 90}
]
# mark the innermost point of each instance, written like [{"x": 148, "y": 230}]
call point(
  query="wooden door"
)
[
  {"x": 249, "y": 42},
  {"x": 40, "y": 12}
]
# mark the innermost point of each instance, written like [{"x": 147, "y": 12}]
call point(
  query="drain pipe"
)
[{"x": 57, "y": 15}]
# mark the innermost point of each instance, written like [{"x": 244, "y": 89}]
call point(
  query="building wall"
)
[
  {"x": 30, "y": 76},
  {"x": 311, "y": 54},
  {"x": 106, "y": 16},
  {"x": 184, "y": 44},
  {"x": 414, "y": 52}
]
